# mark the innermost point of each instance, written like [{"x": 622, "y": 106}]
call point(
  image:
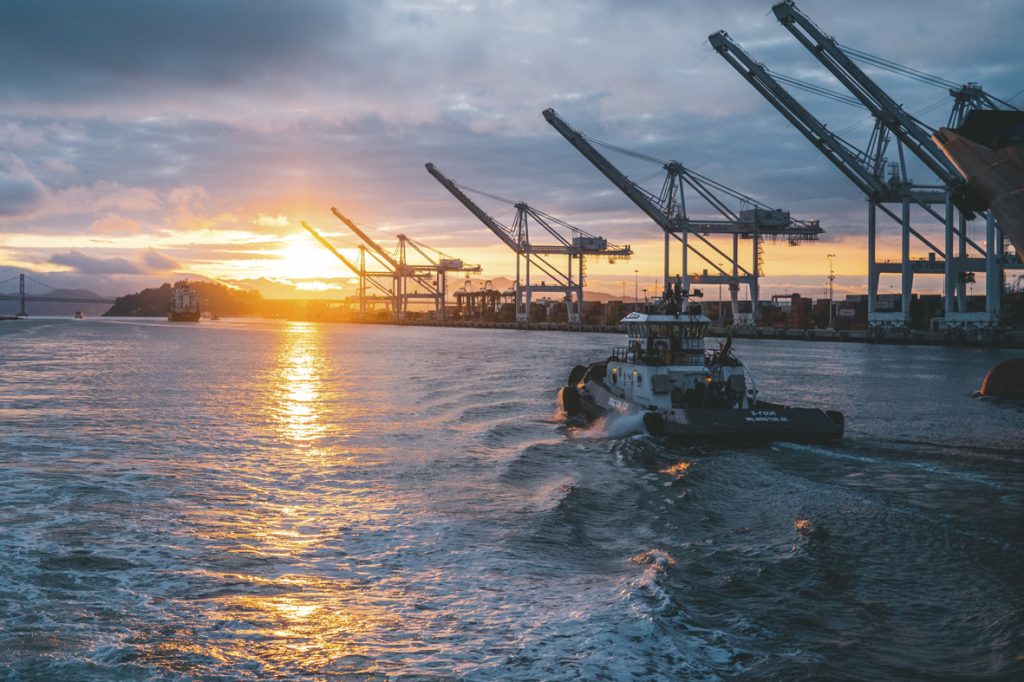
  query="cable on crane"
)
[
  {"x": 483, "y": 193},
  {"x": 817, "y": 90},
  {"x": 918, "y": 75},
  {"x": 627, "y": 152},
  {"x": 894, "y": 67}
]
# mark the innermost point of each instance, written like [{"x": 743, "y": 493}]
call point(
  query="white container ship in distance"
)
[
  {"x": 184, "y": 304},
  {"x": 681, "y": 389}
]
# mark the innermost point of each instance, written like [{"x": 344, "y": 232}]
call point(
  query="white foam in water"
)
[
  {"x": 655, "y": 562},
  {"x": 614, "y": 426},
  {"x": 560, "y": 414}
]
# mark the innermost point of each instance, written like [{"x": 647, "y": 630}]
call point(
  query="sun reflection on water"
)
[
  {"x": 291, "y": 533},
  {"x": 298, "y": 383}
]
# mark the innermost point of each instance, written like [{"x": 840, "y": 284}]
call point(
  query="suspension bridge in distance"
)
[{"x": 25, "y": 289}]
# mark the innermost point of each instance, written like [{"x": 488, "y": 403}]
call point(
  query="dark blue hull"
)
[{"x": 765, "y": 423}]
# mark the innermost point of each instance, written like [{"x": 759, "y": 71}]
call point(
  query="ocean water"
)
[{"x": 252, "y": 500}]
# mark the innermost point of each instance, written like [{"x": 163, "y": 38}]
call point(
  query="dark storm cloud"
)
[
  {"x": 95, "y": 49},
  {"x": 18, "y": 194},
  {"x": 149, "y": 261},
  {"x": 92, "y": 265}
]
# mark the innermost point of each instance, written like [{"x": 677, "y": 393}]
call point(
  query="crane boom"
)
[
  {"x": 835, "y": 149},
  {"x": 493, "y": 225},
  {"x": 369, "y": 242},
  {"x": 330, "y": 247},
  {"x": 907, "y": 129},
  {"x": 349, "y": 264},
  {"x": 617, "y": 177}
]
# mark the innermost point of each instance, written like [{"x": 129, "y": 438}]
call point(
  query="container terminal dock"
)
[{"x": 783, "y": 317}]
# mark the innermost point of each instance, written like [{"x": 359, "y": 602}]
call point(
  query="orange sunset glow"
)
[{"x": 511, "y": 340}]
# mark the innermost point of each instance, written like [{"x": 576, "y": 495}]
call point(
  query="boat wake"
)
[{"x": 612, "y": 426}]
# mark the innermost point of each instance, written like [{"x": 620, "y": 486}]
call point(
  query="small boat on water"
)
[
  {"x": 682, "y": 390},
  {"x": 79, "y": 315},
  {"x": 184, "y": 304}
]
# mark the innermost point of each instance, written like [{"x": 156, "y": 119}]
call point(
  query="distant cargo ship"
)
[{"x": 184, "y": 305}]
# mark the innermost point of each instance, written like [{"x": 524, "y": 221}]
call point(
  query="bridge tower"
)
[{"x": 21, "y": 295}]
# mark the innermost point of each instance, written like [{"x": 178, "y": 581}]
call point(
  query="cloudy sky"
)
[{"x": 144, "y": 141}]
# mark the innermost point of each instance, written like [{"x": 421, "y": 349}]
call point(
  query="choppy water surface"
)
[{"x": 253, "y": 499}]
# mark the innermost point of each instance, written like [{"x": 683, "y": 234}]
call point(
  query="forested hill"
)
[{"x": 214, "y": 298}]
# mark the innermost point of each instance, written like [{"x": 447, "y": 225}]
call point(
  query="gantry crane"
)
[
  {"x": 576, "y": 247},
  {"x": 377, "y": 280},
  {"x": 668, "y": 211},
  {"x": 429, "y": 281},
  {"x": 866, "y": 168},
  {"x": 907, "y": 129},
  {"x": 437, "y": 262}
]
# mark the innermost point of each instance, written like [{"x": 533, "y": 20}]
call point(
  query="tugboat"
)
[
  {"x": 184, "y": 305},
  {"x": 682, "y": 390}
]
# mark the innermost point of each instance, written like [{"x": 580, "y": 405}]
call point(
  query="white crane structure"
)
[
  {"x": 530, "y": 255},
  {"x": 754, "y": 220},
  {"x": 897, "y": 194},
  {"x": 395, "y": 277}
]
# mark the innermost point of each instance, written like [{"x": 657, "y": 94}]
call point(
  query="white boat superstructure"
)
[
  {"x": 681, "y": 388},
  {"x": 666, "y": 364}
]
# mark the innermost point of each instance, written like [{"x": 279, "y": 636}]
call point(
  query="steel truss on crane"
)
[
  {"x": 380, "y": 281},
  {"x": 398, "y": 280},
  {"x": 754, "y": 220},
  {"x": 575, "y": 247},
  {"x": 866, "y": 169}
]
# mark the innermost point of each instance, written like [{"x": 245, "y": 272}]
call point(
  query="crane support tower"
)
[
  {"x": 529, "y": 255},
  {"x": 754, "y": 220},
  {"x": 896, "y": 195}
]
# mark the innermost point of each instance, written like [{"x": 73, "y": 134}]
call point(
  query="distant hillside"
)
[{"x": 213, "y": 298}]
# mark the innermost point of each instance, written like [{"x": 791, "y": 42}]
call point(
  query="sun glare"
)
[{"x": 302, "y": 257}]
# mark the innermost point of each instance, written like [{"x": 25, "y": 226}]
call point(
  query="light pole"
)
[
  {"x": 831, "y": 279},
  {"x": 721, "y": 272},
  {"x": 636, "y": 289}
]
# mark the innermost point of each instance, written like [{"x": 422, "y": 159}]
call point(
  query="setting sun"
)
[{"x": 302, "y": 258}]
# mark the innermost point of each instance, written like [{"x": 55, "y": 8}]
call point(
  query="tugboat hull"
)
[
  {"x": 765, "y": 423},
  {"x": 668, "y": 377}
]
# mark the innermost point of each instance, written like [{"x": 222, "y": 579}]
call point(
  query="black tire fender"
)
[
  {"x": 571, "y": 402},
  {"x": 576, "y": 375},
  {"x": 654, "y": 423}
]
